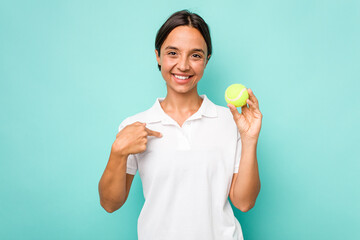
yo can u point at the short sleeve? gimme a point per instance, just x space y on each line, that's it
237 153
132 165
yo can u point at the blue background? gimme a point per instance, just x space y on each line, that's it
71 71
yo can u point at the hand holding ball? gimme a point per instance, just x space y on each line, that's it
236 94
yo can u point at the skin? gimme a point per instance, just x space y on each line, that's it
114 185
177 56
245 186
183 100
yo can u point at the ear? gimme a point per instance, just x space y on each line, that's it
207 60
157 56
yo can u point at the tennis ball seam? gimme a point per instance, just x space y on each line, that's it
238 97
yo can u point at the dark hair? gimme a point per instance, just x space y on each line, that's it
183 18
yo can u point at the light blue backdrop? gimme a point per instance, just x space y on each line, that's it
71 71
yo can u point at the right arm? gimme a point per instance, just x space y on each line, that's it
115 183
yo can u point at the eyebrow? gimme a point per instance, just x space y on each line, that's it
194 49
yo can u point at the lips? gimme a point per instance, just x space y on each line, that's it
181 81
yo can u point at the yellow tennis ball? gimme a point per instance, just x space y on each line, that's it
236 94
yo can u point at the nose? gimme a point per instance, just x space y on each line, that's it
183 64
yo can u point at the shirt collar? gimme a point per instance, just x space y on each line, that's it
157 114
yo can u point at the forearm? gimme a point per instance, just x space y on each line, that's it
112 185
247 185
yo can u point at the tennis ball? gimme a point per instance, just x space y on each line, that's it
236 94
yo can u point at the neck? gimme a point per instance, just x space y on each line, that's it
182 103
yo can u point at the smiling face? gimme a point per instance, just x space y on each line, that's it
183 59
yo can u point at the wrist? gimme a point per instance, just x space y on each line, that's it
117 159
249 142
118 152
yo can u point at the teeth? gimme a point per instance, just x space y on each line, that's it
180 77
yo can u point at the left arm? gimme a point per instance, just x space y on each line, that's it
245 185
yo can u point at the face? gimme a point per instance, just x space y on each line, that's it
183 59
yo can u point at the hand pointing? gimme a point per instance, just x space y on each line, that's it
132 139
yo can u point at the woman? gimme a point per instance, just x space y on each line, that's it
187 149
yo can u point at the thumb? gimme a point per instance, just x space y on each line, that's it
234 111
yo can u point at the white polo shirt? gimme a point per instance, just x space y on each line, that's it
186 174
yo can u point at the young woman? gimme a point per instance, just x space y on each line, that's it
190 153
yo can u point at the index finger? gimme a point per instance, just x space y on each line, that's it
252 97
153 133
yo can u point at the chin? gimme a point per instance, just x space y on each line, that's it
181 89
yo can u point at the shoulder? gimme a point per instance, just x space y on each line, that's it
143 116
226 119
224 112
226 116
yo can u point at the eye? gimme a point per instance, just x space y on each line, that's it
196 55
171 53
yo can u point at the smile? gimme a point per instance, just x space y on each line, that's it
182 77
